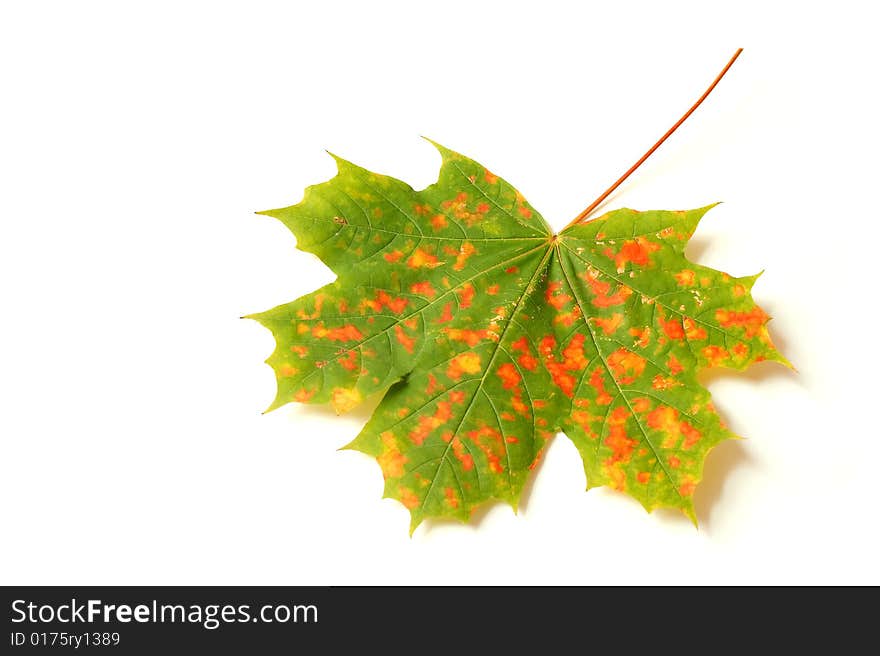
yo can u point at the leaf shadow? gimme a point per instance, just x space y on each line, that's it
759 372
534 474
362 413
479 514
720 464
730 455
696 248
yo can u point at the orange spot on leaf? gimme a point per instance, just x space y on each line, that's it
287 370
672 328
303 395
456 396
554 298
573 360
626 365
446 315
600 289
714 355
526 360
636 252
509 376
405 340
461 454
408 498
466 295
661 382
467 249
350 361
685 278
621 445
420 259
383 300
692 330
597 382
750 321
345 333
691 435
470 337
426 424
642 335
489 442
391 460
423 288
459 209
665 420
451 499
610 325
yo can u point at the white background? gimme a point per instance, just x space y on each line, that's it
137 140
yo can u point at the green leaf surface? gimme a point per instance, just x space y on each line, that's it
489 334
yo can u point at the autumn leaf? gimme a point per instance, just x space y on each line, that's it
489 334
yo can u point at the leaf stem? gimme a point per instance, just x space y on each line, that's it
592 206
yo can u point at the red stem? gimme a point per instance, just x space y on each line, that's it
592 206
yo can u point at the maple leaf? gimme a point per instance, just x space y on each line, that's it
489 334
493 334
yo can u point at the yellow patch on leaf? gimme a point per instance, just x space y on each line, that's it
343 399
465 363
287 370
391 460
422 259
467 249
